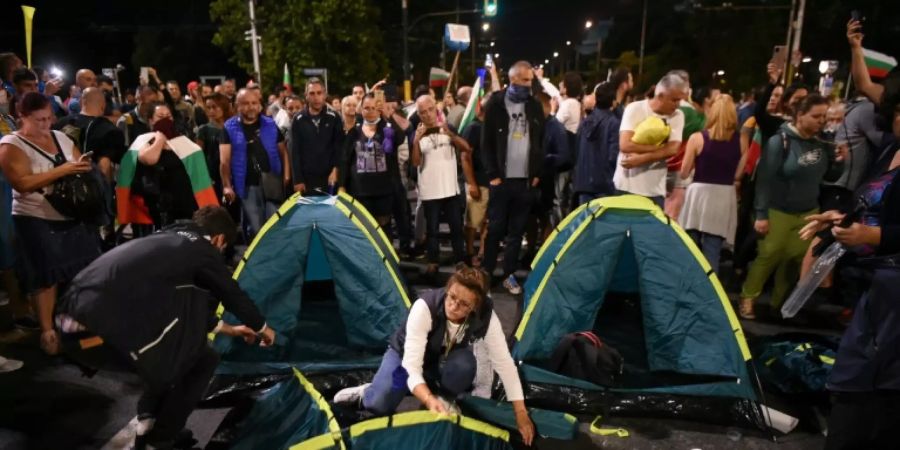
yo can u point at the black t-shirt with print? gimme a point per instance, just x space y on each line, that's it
257 158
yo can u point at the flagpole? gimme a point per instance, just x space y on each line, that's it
452 73
847 91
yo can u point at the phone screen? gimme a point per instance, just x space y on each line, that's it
779 55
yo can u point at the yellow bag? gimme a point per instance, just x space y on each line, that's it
652 131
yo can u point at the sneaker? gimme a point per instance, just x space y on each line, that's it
9 365
512 285
351 395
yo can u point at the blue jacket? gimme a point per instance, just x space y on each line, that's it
596 150
557 155
268 132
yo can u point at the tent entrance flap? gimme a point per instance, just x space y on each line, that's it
620 324
317 267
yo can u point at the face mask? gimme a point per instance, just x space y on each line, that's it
518 94
373 122
165 126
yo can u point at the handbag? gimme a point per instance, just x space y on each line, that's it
78 195
271 184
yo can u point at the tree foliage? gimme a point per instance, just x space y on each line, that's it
340 35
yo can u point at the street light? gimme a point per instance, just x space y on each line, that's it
556 54
546 61
720 73
492 43
496 55
568 43
485 26
588 25
807 59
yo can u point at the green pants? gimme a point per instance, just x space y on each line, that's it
781 251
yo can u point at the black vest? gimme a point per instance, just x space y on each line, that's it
476 327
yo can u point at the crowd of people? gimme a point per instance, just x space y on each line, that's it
767 178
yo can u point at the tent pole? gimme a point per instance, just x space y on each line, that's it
764 413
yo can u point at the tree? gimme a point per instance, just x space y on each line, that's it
340 35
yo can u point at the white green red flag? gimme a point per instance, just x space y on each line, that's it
438 77
879 64
286 80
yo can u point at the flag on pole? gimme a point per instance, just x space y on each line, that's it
878 64
438 77
474 102
286 80
28 12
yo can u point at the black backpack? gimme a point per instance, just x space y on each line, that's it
584 356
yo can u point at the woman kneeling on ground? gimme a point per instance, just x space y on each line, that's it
432 352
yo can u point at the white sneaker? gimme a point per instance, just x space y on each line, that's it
351 395
9 365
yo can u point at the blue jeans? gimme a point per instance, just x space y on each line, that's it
257 210
453 214
710 245
389 385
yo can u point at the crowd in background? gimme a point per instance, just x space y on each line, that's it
743 174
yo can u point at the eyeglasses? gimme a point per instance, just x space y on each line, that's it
457 303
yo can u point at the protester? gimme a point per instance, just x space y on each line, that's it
252 149
185 109
641 166
453 110
597 148
398 165
171 280
93 133
217 109
316 137
435 152
358 91
431 357
694 110
348 112
557 159
363 170
476 208
135 122
793 165
709 214
512 142
52 247
84 79
9 62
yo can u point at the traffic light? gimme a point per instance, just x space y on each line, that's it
490 8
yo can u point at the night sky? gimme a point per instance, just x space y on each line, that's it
102 33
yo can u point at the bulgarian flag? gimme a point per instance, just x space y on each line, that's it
286 80
438 77
132 208
474 102
878 64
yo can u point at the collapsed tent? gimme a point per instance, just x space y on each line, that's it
415 430
326 278
619 267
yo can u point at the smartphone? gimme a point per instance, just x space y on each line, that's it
145 73
86 156
379 96
857 16
432 130
779 56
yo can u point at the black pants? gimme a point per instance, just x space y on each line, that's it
864 420
402 215
171 405
509 204
452 210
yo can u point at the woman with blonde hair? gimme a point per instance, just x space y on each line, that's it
714 155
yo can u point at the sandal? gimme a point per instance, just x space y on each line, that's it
50 342
745 309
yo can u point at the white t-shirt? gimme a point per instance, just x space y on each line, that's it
648 180
437 174
33 204
569 114
419 324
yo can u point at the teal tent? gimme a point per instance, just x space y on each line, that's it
415 430
620 267
326 278
290 412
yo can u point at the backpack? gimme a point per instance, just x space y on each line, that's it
584 356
